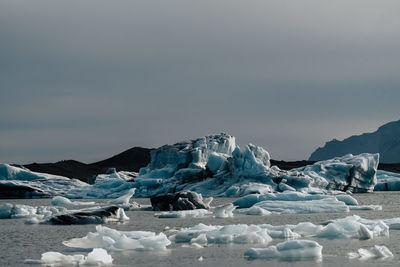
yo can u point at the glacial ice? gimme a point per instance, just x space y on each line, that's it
212 165
26 184
292 250
239 234
111 239
93 215
387 181
374 252
224 211
97 257
297 202
198 213
349 227
17 211
63 201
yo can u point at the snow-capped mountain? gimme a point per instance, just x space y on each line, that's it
385 141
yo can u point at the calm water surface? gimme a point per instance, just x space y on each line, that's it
19 241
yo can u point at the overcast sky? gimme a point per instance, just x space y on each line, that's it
89 79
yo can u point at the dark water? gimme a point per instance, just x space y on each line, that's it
19 241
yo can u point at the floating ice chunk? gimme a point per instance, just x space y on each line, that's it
350 227
347 199
239 233
364 233
224 211
199 213
200 239
366 207
63 201
123 200
374 252
6 210
93 215
253 211
292 250
111 239
97 257
25 211
327 205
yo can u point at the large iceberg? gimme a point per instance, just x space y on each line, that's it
213 166
216 166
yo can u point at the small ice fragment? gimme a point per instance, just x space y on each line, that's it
123 200
224 211
289 250
200 259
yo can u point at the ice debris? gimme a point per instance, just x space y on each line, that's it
374 252
224 211
17 211
97 257
198 213
292 250
63 201
93 215
111 239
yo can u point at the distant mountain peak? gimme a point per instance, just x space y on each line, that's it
385 141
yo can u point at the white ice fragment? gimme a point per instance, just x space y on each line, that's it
224 211
198 213
347 199
123 200
98 256
200 239
253 211
364 233
200 258
374 252
111 239
292 250
63 201
5 210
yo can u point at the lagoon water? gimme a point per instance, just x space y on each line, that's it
19 241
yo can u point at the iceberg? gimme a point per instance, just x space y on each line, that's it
114 240
292 250
215 166
387 181
16 182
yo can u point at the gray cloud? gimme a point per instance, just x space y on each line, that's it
88 79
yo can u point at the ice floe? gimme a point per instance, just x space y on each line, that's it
63 201
97 257
185 200
93 215
224 211
374 252
198 213
292 250
17 211
111 239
